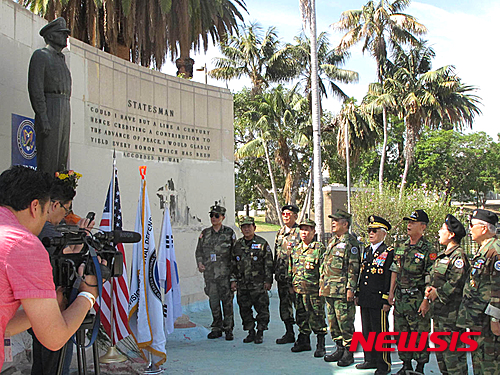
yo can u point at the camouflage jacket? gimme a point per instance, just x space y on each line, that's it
481 297
252 263
283 246
215 250
448 275
340 267
304 267
413 264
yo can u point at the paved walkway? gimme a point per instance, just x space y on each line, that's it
190 352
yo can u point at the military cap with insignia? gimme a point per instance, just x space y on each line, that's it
308 222
218 209
247 220
376 222
59 24
341 214
290 207
455 226
418 215
485 215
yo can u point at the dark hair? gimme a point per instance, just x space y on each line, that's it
20 185
61 191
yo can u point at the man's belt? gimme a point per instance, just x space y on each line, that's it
408 290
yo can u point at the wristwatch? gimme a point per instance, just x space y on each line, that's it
494 320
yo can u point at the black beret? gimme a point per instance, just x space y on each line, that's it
378 222
59 24
290 207
418 215
455 226
485 215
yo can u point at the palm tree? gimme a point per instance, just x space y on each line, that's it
379 26
252 54
432 98
146 31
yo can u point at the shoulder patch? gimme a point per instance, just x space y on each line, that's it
432 256
459 263
354 250
497 265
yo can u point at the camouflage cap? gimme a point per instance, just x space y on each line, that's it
218 209
485 215
376 222
247 220
418 215
308 222
341 214
59 24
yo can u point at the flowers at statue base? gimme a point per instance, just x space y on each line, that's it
69 176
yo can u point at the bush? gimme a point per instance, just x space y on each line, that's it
366 201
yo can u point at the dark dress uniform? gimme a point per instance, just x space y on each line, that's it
373 294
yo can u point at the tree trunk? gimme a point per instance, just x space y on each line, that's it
273 183
348 166
384 148
318 177
307 201
411 139
184 63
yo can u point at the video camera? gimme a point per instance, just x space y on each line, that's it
65 266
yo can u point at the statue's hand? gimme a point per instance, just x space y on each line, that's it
46 128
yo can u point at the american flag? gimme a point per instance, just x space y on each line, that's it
120 284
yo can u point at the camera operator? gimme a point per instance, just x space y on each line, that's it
25 270
45 361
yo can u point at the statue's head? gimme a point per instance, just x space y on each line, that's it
55 33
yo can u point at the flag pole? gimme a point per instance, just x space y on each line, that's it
112 355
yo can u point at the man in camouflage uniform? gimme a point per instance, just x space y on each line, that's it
304 274
213 257
448 276
338 283
480 307
373 292
253 276
286 239
410 276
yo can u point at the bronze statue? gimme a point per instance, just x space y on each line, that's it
49 87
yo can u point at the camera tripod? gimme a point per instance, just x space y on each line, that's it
88 323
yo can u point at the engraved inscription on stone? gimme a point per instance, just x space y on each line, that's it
149 132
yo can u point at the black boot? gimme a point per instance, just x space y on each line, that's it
407 366
214 335
288 337
250 337
420 367
320 346
302 344
347 358
335 356
259 337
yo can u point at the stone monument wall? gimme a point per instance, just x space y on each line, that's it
181 130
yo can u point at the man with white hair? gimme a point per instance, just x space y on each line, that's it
480 308
373 291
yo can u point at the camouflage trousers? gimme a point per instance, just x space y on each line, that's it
287 300
450 362
486 358
219 291
259 299
310 313
407 319
341 316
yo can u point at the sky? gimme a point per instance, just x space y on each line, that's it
461 33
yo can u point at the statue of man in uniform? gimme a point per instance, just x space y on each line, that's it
49 87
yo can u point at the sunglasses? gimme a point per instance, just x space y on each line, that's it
212 214
473 225
286 214
372 230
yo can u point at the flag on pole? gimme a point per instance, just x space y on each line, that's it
145 310
112 220
169 276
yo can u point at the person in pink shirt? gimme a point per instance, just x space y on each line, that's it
25 270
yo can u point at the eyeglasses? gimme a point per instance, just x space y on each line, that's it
473 225
67 211
212 214
372 230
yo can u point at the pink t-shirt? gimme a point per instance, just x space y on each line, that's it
25 270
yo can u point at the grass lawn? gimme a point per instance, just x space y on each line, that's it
262 226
